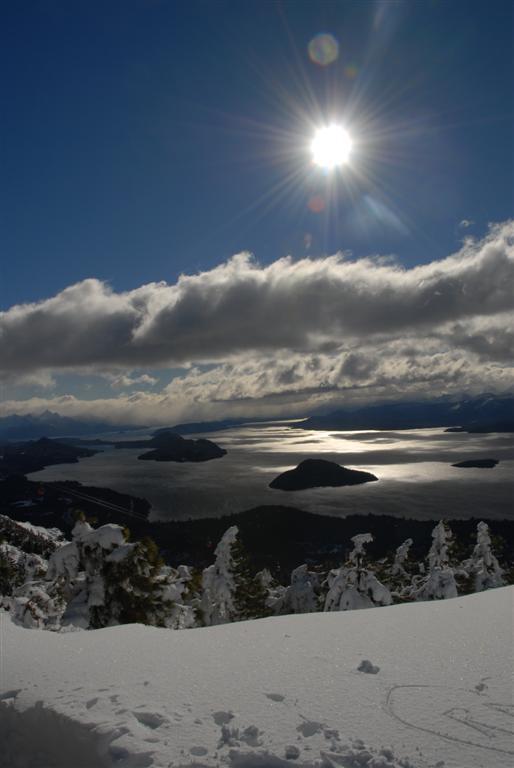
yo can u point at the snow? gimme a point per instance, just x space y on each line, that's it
50 534
483 565
218 583
353 587
269 693
300 596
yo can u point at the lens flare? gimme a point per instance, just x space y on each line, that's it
351 71
331 146
323 49
316 204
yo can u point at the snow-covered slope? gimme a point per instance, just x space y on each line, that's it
263 694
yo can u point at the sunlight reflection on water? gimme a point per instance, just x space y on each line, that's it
413 467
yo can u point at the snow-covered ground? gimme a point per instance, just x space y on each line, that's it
263 694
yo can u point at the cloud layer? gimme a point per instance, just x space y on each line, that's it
276 339
241 307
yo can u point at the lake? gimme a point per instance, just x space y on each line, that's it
416 478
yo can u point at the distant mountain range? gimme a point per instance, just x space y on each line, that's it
487 413
49 424
193 427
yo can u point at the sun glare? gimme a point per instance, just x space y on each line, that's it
331 146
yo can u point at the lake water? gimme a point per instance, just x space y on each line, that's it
416 478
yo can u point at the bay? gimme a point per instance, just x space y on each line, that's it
416 478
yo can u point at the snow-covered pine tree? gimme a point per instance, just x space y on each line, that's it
36 605
24 591
399 574
135 587
272 588
400 558
483 567
29 538
217 605
230 591
439 553
301 596
10 576
179 591
106 580
438 583
353 586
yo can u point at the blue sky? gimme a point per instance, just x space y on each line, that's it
142 139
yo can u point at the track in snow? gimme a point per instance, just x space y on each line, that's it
474 720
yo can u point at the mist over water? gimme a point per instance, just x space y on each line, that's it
414 469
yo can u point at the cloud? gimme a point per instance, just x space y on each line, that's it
466 223
241 307
32 379
128 380
295 384
274 340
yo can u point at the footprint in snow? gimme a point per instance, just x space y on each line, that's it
275 696
331 734
198 751
150 719
309 728
91 702
251 736
222 717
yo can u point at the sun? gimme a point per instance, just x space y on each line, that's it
331 146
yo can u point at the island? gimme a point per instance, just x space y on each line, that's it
319 473
485 429
480 463
168 446
34 455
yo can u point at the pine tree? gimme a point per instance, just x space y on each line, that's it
218 586
230 591
250 594
9 576
301 596
399 573
483 567
354 586
107 580
135 586
438 583
400 558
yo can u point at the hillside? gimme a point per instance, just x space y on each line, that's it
480 414
31 456
33 426
268 693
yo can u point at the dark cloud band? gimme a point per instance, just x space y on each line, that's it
241 307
